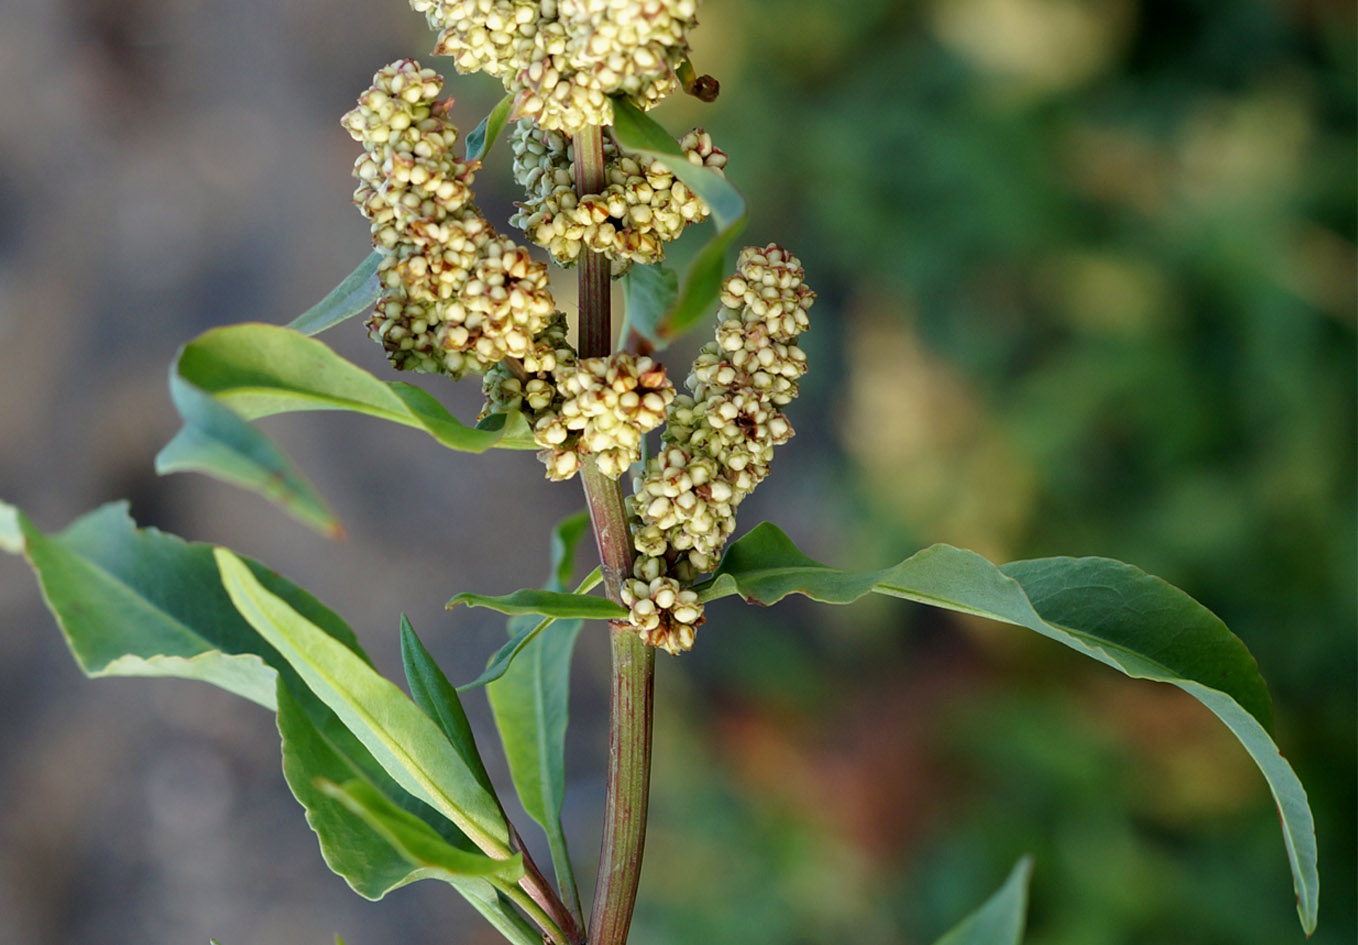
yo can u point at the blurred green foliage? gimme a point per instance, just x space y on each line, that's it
1090 270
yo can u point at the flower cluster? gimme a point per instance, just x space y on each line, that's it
607 405
564 58
718 443
456 296
641 208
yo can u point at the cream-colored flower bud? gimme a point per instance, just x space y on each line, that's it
641 208
456 296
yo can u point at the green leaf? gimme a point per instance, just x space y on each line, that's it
559 604
531 706
522 632
356 294
483 137
638 134
217 442
406 742
999 921
565 538
531 703
432 692
513 429
146 603
564 541
351 846
230 375
413 839
702 284
1107 610
649 293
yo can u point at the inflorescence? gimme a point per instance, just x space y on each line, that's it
641 208
457 298
717 443
562 59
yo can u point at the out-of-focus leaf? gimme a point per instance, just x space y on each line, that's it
230 375
702 284
638 134
432 692
1107 610
142 602
407 743
483 137
649 293
1000 919
215 441
531 703
413 839
356 294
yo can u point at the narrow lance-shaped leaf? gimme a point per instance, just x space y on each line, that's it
649 293
351 846
432 692
1107 610
230 375
215 441
413 839
638 134
561 605
1000 919
522 633
531 703
405 741
483 137
355 295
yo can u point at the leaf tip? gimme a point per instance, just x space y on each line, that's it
11 532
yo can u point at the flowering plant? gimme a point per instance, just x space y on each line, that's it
393 784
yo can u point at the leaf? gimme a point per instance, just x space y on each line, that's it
351 846
409 746
1000 919
562 544
217 442
143 602
356 294
522 633
1107 610
565 538
638 134
649 293
432 692
483 137
702 284
559 604
230 375
531 703
413 839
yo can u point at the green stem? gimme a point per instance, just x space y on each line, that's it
534 910
633 662
564 916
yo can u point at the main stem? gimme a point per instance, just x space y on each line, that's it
631 692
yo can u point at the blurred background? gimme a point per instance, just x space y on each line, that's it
1087 286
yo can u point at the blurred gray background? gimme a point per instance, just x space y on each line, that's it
1086 275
